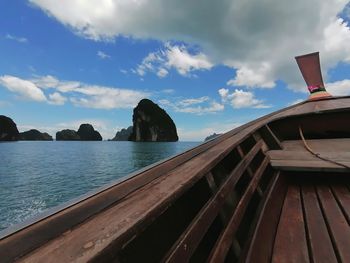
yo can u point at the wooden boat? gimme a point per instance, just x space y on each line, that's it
259 193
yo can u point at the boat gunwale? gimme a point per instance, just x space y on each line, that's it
77 200
89 197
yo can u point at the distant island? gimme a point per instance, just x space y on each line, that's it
150 124
123 134
86 132
213 136
34 135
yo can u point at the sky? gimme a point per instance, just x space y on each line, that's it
212 65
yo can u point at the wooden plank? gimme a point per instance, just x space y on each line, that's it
213 187
311 166
260 249
270 138
189 240
319 145
249 170
290 243
304 155
224 242
338 226
318 236
342 195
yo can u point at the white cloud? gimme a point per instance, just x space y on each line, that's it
57 99
252 78
339 88
45 82
198 106
168 91
15 38
24 88
241 99
78 93
179 58
162 72
173 57
257 38
188 102
102 55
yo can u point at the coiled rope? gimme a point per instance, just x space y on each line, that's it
308 148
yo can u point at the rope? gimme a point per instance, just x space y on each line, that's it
308 148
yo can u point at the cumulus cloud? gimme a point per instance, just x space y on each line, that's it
257 38
15 38
57 99
241 99
339 88
24 88
173 57
103 55
198 106
78 93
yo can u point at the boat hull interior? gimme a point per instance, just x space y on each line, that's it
254 194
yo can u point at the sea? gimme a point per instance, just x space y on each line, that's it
38 175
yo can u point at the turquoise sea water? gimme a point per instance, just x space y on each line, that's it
35 176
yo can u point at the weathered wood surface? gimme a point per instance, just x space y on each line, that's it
290 243
338 226
295 157
261 245
188 242
322 145
225 240
321 248
110 218
313 226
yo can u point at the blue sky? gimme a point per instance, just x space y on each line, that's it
212 65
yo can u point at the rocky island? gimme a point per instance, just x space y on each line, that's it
8 129
152 124
86 132
34 135
123 134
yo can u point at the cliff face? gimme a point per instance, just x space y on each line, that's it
152 124
87 132
67 135
34 135
8 129
123 134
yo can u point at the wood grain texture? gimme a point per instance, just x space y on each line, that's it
224 242
320 242
290 243
338 225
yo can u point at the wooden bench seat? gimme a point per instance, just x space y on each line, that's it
295 157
